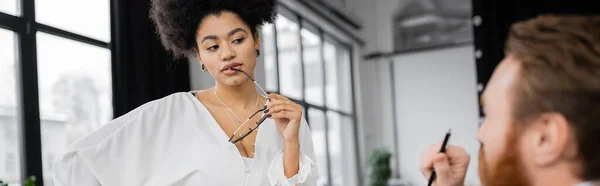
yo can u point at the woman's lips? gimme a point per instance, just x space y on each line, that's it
230 69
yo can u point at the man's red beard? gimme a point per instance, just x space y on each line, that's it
509 169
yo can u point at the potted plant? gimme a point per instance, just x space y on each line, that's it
29 182
380 171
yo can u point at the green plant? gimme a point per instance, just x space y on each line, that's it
380 171
29 182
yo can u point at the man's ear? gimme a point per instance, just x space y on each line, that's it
550 139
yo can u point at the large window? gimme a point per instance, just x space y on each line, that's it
55 66
92 17
74 91
9 108
288 51
311 54
314 69
10 7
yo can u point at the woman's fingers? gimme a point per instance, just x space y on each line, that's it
280 102
282 107
277 96
285 115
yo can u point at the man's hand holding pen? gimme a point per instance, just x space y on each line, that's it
450 167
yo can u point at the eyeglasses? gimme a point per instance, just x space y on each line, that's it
262 119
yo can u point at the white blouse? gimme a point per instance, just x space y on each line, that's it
176 141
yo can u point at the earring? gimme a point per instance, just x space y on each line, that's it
257 52
203 67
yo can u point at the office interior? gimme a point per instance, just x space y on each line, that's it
372 75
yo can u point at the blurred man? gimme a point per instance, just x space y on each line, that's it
542 108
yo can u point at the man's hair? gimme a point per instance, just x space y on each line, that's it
560 73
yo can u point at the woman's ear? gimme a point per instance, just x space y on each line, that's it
197 53
256 40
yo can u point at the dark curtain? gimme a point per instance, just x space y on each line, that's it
497 17
142 70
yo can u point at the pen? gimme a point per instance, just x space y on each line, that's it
442 150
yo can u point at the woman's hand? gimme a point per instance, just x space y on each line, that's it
287 116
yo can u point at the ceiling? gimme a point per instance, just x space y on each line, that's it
432 22
443 8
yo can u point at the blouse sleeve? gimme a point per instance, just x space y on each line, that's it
307 173
70 170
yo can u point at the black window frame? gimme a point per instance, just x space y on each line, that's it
296 16
25 27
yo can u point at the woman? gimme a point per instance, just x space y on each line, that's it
207 137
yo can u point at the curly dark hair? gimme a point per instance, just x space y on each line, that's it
177 21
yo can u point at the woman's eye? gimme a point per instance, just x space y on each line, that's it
213 48
236 41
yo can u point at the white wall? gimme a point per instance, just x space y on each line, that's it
435 91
